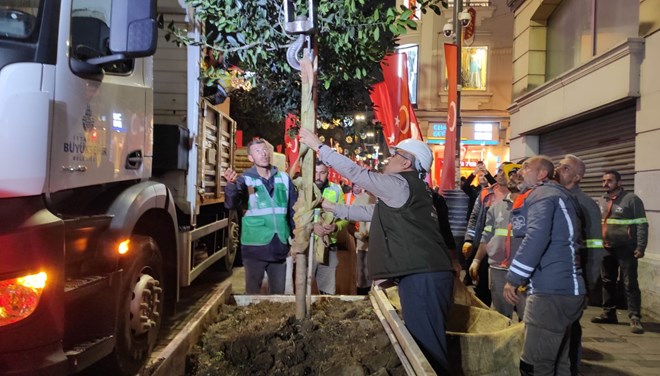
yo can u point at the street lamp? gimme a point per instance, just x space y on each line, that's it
454 29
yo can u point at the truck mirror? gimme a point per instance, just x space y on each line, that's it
133 28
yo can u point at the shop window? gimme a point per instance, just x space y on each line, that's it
580 30
412 55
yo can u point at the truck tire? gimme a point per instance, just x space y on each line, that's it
140 306
232 240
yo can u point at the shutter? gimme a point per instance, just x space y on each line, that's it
606 142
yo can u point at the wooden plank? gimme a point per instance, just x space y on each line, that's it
412 351
393 340
171 359
243 300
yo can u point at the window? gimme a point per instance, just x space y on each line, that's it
474 66
413 4
579 30
90 34
411 54
483 131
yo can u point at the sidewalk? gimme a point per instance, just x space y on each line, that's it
610 350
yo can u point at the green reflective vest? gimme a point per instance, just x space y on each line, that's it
334 194
266 215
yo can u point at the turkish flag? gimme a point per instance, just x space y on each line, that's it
398 119
448 176
292 144
383 112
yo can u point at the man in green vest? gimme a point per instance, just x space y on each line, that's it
268 222
405 243
325 273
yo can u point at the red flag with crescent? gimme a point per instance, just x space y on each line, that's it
448 175
291 144
398 119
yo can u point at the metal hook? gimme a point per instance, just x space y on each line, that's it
292 53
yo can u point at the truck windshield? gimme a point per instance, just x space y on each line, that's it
18 18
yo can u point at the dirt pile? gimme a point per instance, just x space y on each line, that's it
341 338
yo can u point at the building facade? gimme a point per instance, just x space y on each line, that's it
584 82
486 70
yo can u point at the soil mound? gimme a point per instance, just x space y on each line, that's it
341 338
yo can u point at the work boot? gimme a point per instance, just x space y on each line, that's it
605 318
636 326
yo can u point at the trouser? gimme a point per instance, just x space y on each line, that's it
497 280
548 321
482 288
425 300
363 280
575 347
325 274
621 258
254 276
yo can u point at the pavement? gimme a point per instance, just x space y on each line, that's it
611 349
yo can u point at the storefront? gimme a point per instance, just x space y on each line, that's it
480 141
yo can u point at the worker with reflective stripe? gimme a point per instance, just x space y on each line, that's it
569 173
546 217
497 242
488 196
625 236
268 222
325 273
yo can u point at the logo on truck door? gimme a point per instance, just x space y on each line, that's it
88 146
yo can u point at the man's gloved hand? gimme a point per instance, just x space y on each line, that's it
638 254
474 269
467 249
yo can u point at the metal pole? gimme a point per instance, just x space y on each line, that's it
458 7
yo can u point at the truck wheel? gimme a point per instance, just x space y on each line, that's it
232 240
140 306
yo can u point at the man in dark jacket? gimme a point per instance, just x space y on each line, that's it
405 241
268 222
570 172
546 265
625 236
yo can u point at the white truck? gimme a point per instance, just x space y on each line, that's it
111 194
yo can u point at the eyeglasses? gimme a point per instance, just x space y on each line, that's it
396 152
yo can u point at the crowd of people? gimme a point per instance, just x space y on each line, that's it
535 244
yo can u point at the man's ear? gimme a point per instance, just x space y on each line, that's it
250 158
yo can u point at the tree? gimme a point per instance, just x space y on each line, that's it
353 36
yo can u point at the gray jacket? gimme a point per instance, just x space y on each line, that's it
546 217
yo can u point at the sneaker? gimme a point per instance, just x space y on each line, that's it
636 326
605 318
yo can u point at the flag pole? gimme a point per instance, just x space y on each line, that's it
458 7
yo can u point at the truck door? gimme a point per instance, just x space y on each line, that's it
102 115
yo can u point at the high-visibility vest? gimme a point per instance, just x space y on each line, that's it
266 215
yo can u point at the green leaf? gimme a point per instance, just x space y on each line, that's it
393 29
411 24
377 33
